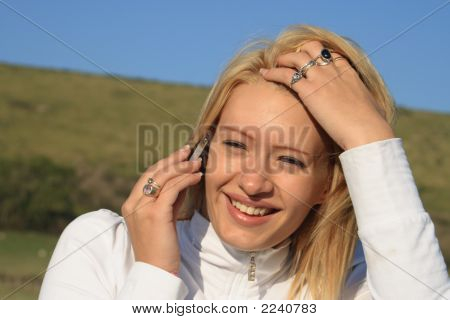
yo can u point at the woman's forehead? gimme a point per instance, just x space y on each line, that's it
263 109
262 103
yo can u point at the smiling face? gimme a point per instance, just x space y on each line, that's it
256 157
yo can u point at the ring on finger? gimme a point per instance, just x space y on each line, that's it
327 63
297 76
304 69
151 188
325 56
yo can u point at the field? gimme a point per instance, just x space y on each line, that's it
90 124
25 256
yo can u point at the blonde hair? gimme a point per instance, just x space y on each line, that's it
322 248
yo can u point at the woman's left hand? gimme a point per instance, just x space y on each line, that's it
335 95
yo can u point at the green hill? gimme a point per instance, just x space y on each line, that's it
83 128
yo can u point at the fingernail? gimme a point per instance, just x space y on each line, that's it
263 71
199 173
186 147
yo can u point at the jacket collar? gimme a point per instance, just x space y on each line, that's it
212 262
269 263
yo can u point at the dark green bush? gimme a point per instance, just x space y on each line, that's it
36 194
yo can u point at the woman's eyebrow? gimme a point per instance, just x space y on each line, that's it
236 129
292 149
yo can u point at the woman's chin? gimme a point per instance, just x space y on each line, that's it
243 240
243 246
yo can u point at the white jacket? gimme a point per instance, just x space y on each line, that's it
94 259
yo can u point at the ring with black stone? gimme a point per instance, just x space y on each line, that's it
325 56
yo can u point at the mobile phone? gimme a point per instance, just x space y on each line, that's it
201 150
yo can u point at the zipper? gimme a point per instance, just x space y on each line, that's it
252 267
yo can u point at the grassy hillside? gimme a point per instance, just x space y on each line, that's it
88 123
25 256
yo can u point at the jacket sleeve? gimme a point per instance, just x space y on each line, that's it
403 257
143 276
87 258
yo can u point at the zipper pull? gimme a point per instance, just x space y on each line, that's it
252 267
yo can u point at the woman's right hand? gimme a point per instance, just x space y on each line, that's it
151 222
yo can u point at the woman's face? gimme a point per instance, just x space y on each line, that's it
256 157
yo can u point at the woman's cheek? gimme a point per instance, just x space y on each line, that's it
228 163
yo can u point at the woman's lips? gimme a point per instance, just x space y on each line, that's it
246 219
251 203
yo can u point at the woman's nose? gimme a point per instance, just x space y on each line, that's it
255 183
253 178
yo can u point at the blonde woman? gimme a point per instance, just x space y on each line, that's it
307 194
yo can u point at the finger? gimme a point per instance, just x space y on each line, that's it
284 75
177 156
162 176
169 195
166 198
341 64
166 174
295 60
300 61
313 48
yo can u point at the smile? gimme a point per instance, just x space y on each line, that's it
251 210
256 215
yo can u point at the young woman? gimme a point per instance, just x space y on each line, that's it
307 193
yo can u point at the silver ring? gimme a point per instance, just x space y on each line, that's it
328 62
297 76
304 69
324 63
325 56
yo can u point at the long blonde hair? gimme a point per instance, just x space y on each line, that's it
322 248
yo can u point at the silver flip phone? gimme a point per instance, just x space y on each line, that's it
201 150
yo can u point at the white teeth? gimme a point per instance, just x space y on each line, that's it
250 210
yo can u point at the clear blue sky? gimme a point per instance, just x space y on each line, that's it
190 41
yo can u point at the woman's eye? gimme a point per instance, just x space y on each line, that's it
234 144
289 160
294 161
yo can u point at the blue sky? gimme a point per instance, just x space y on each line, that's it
191 41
